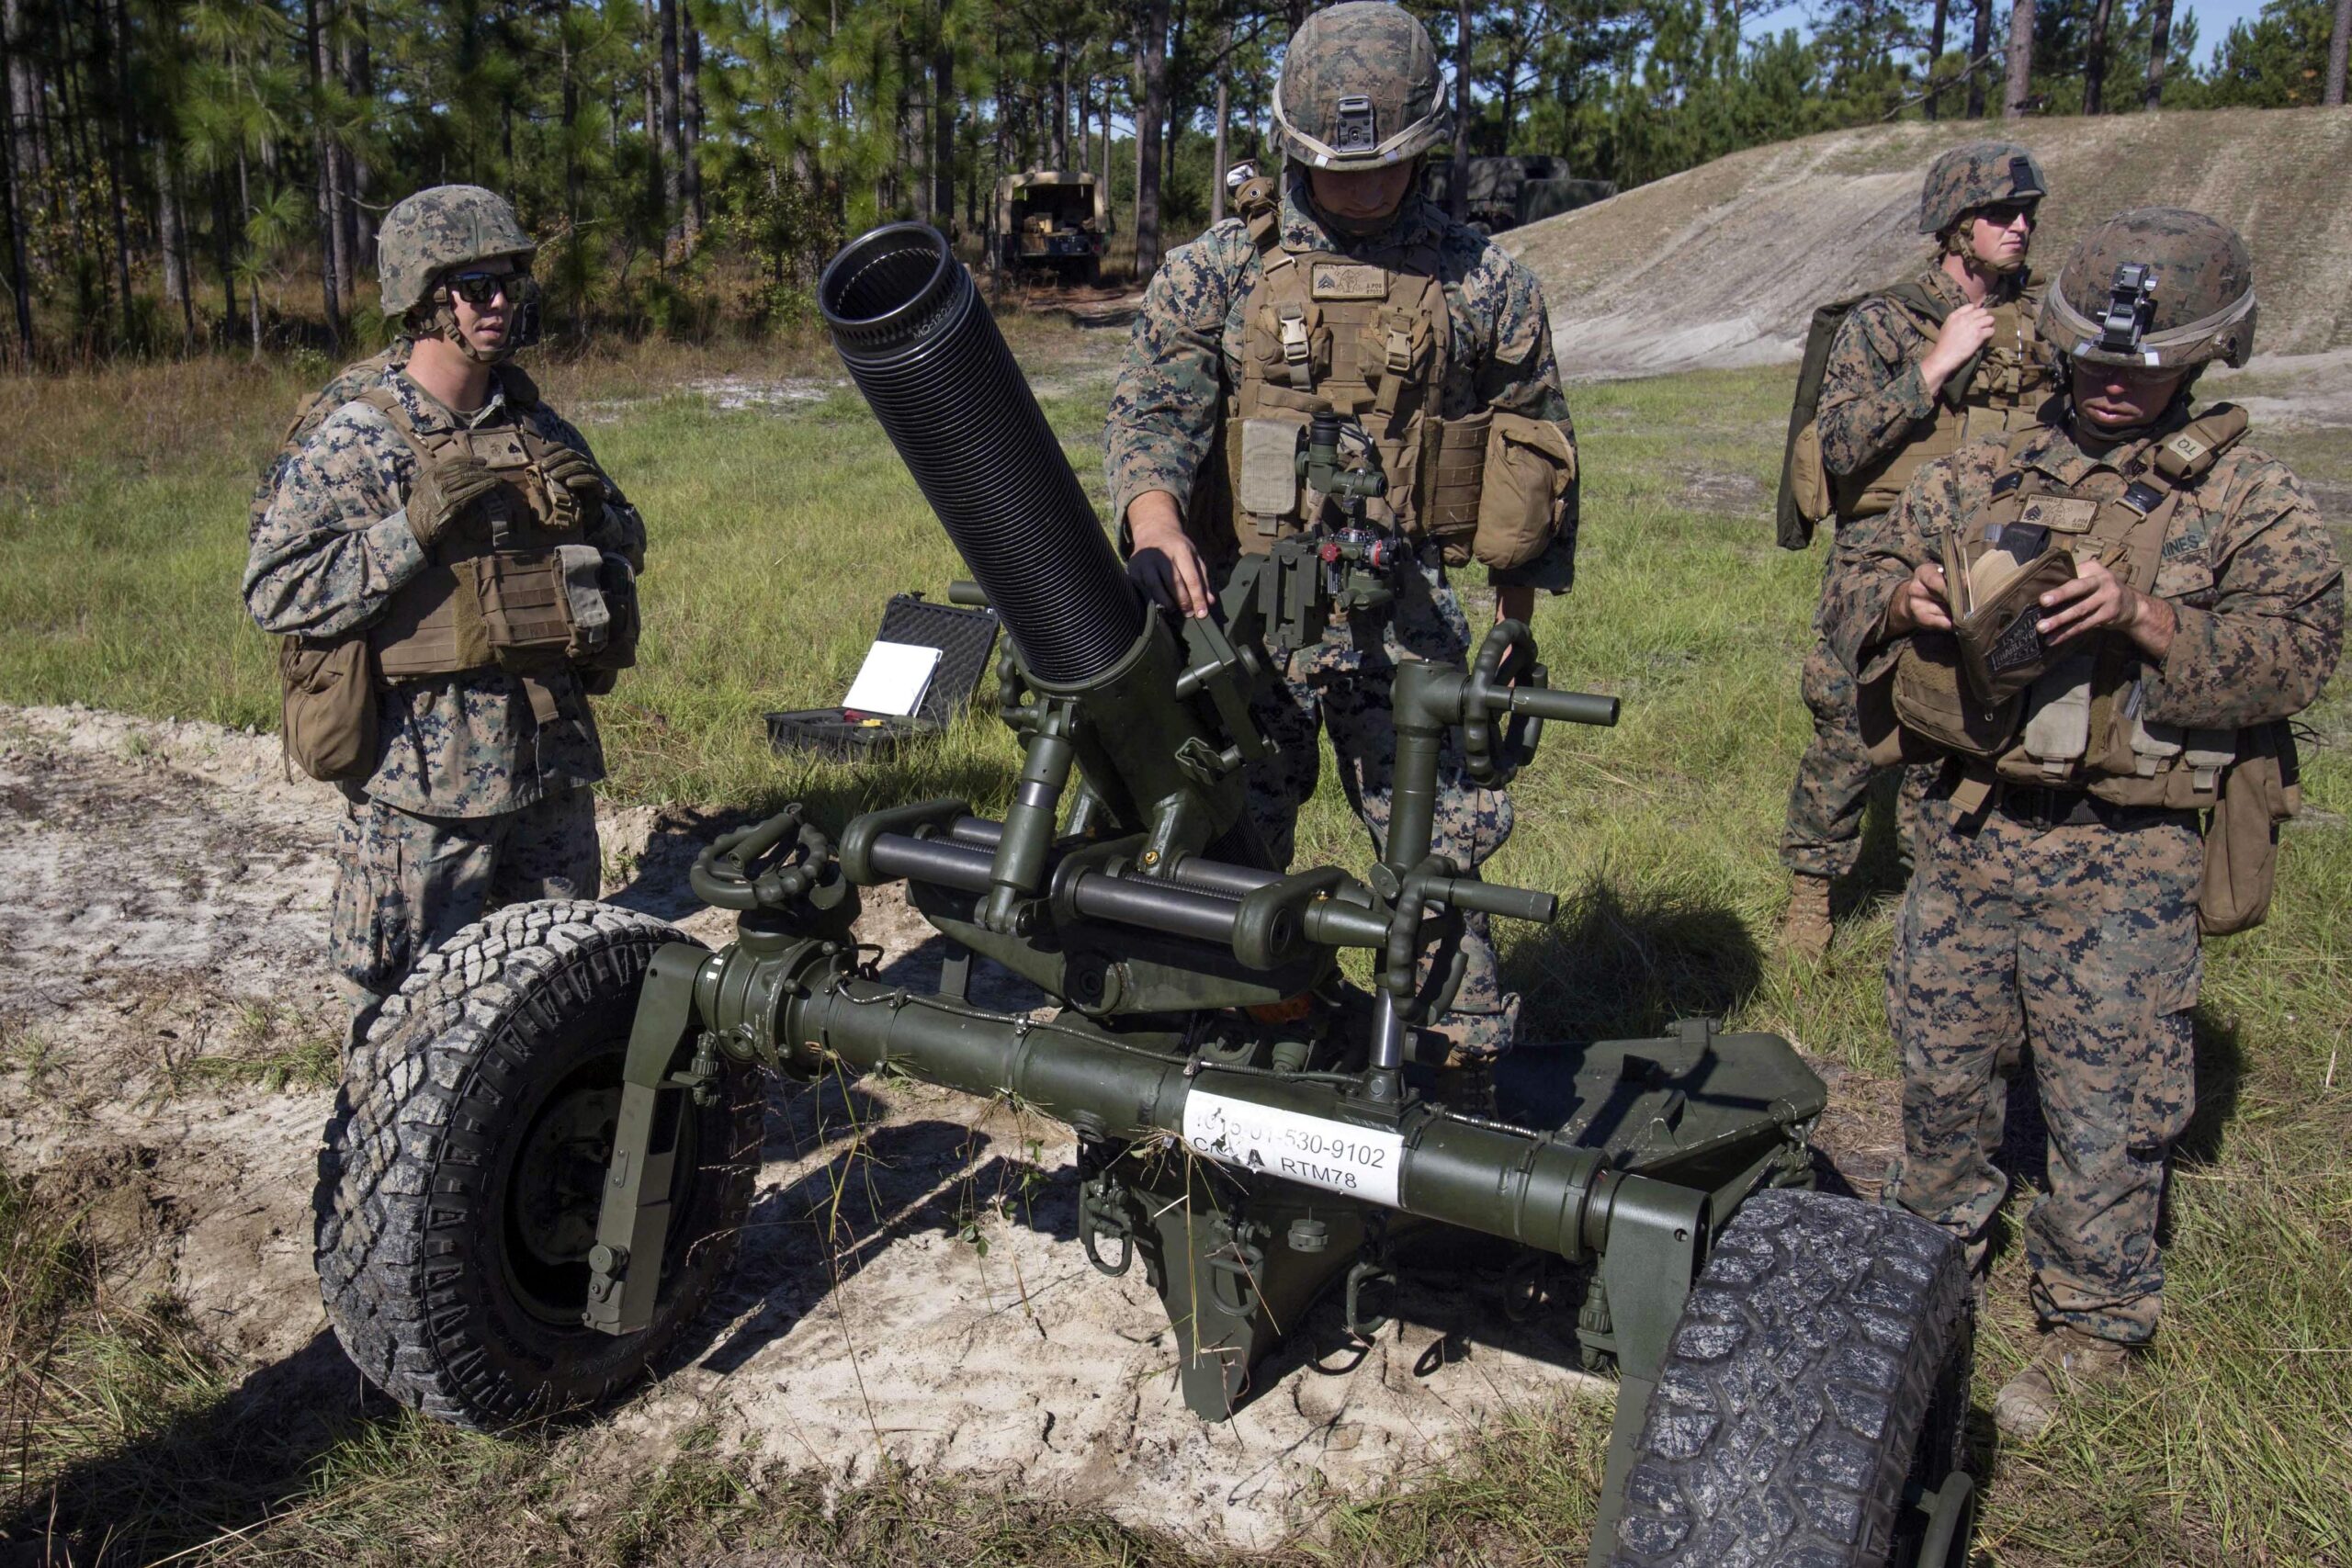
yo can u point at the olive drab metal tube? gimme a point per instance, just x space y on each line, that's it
918 339
1529 1187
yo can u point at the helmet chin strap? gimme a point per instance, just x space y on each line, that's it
1956 244
2087 428
443 324
1363 227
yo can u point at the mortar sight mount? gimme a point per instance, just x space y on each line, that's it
532 1220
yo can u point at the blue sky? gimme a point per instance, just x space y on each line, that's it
2215 20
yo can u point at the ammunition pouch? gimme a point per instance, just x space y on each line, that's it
327 715
1808 478
1922 706
2262 790
1529 466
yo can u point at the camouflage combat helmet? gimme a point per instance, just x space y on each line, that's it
440 229
2159 287
1359 89
1973 174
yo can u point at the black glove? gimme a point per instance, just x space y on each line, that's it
441 493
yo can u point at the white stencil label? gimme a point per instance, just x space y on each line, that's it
1339 1157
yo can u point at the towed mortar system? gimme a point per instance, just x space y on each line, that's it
1255 1130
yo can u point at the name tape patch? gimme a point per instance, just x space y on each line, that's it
1359 1162
1340 281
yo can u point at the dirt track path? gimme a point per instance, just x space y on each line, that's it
161 939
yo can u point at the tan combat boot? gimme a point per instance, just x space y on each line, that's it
2068 1359
1805 929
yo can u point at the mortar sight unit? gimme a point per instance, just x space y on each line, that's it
544 1148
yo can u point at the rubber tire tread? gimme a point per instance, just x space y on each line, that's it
1796 1390
424 1059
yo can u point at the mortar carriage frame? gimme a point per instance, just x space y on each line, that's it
547 1140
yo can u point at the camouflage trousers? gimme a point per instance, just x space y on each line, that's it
2082 939
1341 685
405 884
1823 836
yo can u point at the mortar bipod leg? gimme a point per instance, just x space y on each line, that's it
1657 1239
625 1266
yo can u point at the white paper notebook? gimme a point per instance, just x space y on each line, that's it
893 678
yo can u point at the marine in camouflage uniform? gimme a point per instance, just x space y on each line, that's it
1877 421
1176 389
2068 912
478 792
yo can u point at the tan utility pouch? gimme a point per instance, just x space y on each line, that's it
1930 696
1266 479
1529 466
1457 472
328 720
2260 792
541 605
1809 478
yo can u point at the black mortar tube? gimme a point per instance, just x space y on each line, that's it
916 336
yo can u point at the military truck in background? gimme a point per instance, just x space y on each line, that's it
1053 221
1506 192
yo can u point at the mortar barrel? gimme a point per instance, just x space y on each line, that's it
919 342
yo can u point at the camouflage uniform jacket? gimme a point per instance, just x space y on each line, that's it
335 547
2247 567
350 382
1872 399
1183 363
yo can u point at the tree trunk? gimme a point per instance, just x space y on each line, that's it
118 154
2021 82
690 127
24 91
1934 56
1223 115
1061 110
315 56
1457 189
2095 60
568 86
943 130
19 278
2159 50
223 257
1151 114
171 233
672 146
656 129
1980 44
252 286
360 80
2339 45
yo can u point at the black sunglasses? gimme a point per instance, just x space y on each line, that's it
2009 212
479 288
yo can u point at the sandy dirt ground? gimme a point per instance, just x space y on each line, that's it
909 1284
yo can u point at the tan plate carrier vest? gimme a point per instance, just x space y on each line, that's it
2003 394
1371 338
2079 724
514 584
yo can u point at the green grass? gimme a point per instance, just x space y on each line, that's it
776 537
